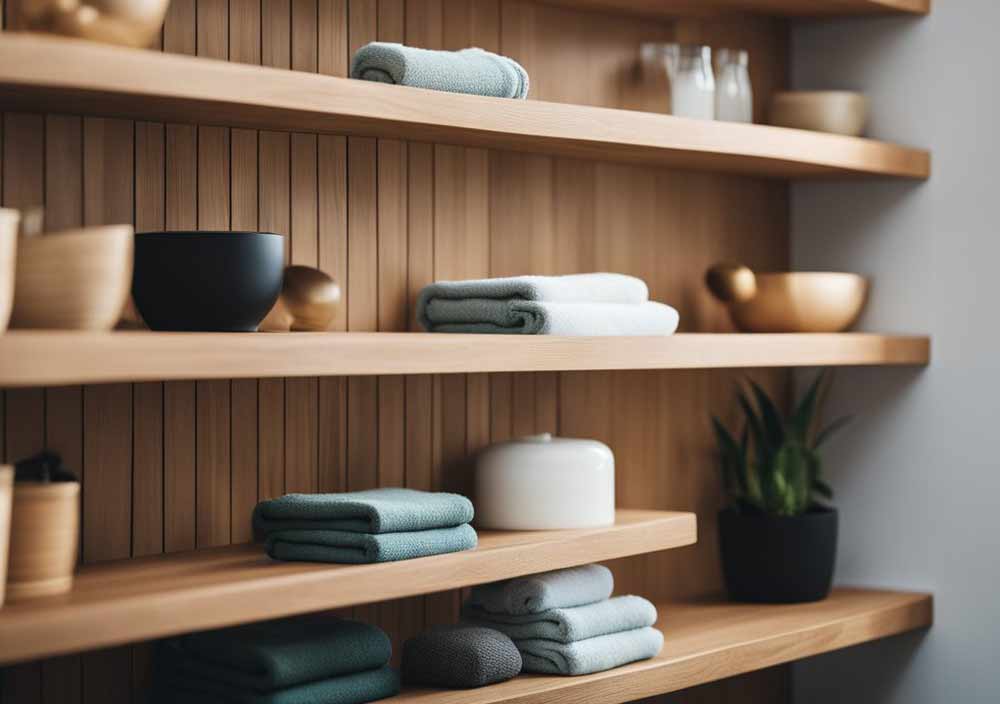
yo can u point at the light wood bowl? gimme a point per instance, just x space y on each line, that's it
128 22
802 302
8 257
6 504
44 534
73 280
837 111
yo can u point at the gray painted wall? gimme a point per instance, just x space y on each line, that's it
918 475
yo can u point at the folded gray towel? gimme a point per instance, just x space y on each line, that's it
620 613
468 71
362 548
599 287
460 656
591 655
573 586
388 510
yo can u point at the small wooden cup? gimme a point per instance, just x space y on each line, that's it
6 498
44 534
8 257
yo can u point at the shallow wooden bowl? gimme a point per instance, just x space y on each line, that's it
8 257
127 22
73 280
837 111
802 302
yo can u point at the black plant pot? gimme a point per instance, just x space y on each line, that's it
778 559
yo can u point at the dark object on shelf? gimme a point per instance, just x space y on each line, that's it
778 559
460 657
45 467
207 281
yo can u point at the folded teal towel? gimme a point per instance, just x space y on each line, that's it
574 586
621 613
389 510
591 655
468 71
356 688
276 654
362 548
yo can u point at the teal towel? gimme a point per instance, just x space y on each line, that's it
363 548
621 613
468 71
276 654
389 510
347 689
574 586
591 655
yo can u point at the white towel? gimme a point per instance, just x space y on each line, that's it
540 318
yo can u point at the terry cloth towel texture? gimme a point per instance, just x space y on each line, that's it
574 586
460 657
277 654
361 548
566 625
389 510
468 71
600 287
596 654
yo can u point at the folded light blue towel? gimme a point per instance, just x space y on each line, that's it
468 71
362 548
388 510
620 613
583 657
573 586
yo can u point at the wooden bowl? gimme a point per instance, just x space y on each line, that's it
128 22
802 302
44 534
837 111
8 257
73 280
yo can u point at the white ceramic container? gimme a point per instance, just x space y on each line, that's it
545 483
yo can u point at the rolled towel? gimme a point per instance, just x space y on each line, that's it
620 613
478 315
573 586
388 510
362 548
277 654
468 71
356 688
596 654
460 656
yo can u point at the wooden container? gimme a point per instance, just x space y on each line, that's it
73 280
8 257
6 498
44 534
128 22
835 111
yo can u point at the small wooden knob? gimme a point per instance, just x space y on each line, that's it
310 297
732 283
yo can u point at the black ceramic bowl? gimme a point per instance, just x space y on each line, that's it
207 281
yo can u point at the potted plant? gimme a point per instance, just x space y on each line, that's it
778 541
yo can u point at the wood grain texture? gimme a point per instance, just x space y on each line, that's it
53 74
159 596
789 8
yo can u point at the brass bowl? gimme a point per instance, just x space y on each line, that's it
128 22
795 302
835 111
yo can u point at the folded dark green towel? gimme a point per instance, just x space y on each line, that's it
356 688
276 654
362 548
389 510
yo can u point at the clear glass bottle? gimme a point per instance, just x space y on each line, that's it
692 80
733 92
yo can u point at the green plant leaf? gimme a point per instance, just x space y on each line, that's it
803 415
763 450
732 458
822 488
824 435
771 419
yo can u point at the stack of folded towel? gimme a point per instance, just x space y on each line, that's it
380 525
319 660
468 71
565 623
578 304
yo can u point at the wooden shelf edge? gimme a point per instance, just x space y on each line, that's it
60 75
776 8
133 600
709 642
51 358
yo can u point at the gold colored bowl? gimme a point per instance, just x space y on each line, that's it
813 301
128 22
835 111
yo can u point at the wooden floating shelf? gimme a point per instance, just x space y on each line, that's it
132 600
62 75
711 641
786 8
50 358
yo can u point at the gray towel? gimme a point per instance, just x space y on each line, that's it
460 656
591 655
362 548
598 287
468 71
574 586
375 511
621 613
